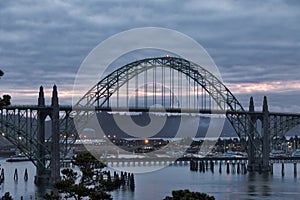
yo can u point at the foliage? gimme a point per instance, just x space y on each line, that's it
187 195
5 101
51 196
6 196
93 183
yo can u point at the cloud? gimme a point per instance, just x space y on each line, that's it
253 42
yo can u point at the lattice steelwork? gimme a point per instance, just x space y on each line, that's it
174 83
280 124
18 124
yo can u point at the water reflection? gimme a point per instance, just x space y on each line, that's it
259 184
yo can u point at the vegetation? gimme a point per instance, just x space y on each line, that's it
187 195
92 183
6 196
5 100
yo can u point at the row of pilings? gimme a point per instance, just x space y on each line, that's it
239 167
283 169
126 179
15 176
205 166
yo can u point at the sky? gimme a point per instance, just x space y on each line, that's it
255 44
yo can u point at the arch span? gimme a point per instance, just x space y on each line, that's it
100 94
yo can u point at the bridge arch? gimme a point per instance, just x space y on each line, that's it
99 95
20 137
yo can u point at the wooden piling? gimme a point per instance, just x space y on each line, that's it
233 168
228 169
26 175
16 175
212 167
271 168
2 176
282 169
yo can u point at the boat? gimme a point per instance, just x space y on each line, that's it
18 157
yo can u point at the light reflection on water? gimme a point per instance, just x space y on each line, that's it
158 184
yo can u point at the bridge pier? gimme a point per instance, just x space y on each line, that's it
256 161
55 157
266 137
251 153
45 175
42 174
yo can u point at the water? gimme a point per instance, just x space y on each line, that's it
19 188
159 184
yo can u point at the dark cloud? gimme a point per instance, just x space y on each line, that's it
44 42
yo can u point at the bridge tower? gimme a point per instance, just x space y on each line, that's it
258 159
265 136
45 175
251 149
42 174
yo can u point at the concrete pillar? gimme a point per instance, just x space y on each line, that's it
55 150
266 137
251 153
42 175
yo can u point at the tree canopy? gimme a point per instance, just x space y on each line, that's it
91 182
187 195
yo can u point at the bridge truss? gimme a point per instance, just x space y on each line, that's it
176 84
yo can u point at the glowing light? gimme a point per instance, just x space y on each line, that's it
146 141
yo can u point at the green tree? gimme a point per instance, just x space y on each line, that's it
5 100
187 195
6 196
93 183
51 196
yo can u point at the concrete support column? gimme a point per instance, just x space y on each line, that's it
266 137
55 150
42 175
251 153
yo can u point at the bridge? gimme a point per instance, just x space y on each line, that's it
176 84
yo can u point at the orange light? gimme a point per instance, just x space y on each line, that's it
146 141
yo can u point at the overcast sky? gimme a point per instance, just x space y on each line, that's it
255 44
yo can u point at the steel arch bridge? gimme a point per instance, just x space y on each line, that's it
175 83
213 95
204 92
